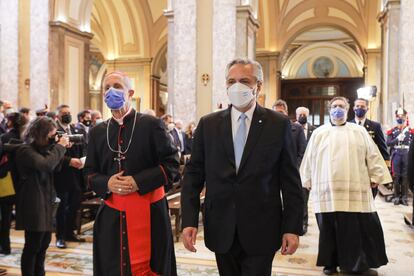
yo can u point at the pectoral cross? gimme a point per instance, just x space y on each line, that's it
119 159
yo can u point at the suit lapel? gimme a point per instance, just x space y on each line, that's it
227 135
254 133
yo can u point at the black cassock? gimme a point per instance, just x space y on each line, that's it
153 162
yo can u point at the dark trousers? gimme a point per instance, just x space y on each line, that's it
237 262
399 165
66 212
34 253
305 207
6 213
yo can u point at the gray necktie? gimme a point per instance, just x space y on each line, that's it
240 140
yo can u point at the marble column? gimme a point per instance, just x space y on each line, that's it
406 61
9 51
390 22
39 51
182 51
234 35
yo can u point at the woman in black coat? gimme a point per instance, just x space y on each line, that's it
15 123
36 161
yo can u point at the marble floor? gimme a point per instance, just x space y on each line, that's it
399 238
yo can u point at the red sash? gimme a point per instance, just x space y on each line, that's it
138 218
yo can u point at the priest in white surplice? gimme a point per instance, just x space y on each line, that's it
340 165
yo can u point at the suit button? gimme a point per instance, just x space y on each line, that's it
123 232
233 206
124 248
124 264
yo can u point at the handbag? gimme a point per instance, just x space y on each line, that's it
6 186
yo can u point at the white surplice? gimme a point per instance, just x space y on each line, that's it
339 164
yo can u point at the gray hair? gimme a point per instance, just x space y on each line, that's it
282 103
301 109
124 77
245 61
345 100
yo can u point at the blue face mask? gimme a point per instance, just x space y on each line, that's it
114 98
360 112
337 114
400 121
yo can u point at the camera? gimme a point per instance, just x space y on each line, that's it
73 138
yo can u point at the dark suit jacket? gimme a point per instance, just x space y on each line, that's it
309 131
69 178
299 142
410 170
375 131
249 202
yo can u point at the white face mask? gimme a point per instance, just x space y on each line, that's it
98 121
170 126
240 95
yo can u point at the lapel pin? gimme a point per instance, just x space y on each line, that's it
260 121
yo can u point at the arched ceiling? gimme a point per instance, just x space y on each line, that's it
283 20
121 28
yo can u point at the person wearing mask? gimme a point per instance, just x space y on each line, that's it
244 158
374 129
302 114
188 137
96 117
340 165
15 123
410 176
399 139
84 123
68 182
299 140
5 109
178 135
36 161
130 164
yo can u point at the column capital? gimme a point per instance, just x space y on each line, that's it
247 12
71 29
169 14
271 55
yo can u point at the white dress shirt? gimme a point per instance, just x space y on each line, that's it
235 122
357 121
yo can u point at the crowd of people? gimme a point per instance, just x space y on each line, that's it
257 167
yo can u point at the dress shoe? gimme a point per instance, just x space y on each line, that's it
74 238
404 201
61 244
327 270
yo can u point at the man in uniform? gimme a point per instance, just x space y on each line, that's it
399 139
130 162
374 130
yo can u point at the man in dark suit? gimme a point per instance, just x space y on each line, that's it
243 157
302 114
299 140
68 182
374 129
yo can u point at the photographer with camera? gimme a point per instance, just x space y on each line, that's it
36 161
69 180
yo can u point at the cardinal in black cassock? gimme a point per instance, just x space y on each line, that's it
130 163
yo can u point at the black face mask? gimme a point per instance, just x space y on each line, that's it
87 122
303 120
66 119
